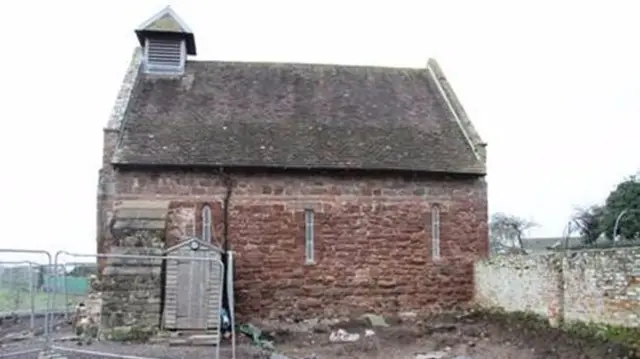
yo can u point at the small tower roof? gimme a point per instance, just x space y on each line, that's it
167 22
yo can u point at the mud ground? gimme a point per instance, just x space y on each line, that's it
472 336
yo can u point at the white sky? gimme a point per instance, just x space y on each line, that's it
551 86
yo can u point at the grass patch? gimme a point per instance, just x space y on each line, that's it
625 336
18 300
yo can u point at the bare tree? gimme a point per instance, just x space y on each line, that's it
509 229
589 223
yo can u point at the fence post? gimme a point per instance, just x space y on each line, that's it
65 288
32 294
231 303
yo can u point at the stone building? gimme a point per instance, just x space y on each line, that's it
340 188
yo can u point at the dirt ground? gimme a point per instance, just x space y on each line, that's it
472 336
469 336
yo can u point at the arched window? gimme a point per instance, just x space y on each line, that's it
206 224
435 232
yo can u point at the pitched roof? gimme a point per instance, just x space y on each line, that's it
167 22
299 116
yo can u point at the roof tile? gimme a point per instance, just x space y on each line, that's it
294 116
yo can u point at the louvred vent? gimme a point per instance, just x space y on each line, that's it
165 54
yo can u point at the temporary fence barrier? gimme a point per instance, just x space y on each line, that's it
69 289
45 296
128 279
18 289
20 297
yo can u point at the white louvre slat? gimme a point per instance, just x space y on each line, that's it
165 54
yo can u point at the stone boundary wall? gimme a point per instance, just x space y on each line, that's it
600 286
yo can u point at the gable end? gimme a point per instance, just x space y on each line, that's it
453 105
129 81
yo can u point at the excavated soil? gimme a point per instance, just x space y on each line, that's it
468 336
473 336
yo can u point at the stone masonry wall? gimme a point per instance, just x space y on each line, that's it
131 288
106 182
372 238
600 286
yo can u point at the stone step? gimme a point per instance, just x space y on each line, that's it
200 341
192 339
174 342
203 339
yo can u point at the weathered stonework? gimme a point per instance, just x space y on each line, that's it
181 223
600 286
373 234
87 318
126 89
372 238
131 288
519 282
106 181
603 286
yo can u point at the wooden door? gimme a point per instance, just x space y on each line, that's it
192 311
193 288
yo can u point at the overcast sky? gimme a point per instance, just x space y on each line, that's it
551 86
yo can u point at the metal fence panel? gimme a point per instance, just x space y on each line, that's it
18 288
42 302
24 303
131 291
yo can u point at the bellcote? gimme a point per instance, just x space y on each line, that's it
166 40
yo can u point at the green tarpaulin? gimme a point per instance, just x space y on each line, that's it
74 285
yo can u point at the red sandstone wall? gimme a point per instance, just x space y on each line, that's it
373 239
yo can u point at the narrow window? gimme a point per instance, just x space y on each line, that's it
435 232
308 236
206 224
